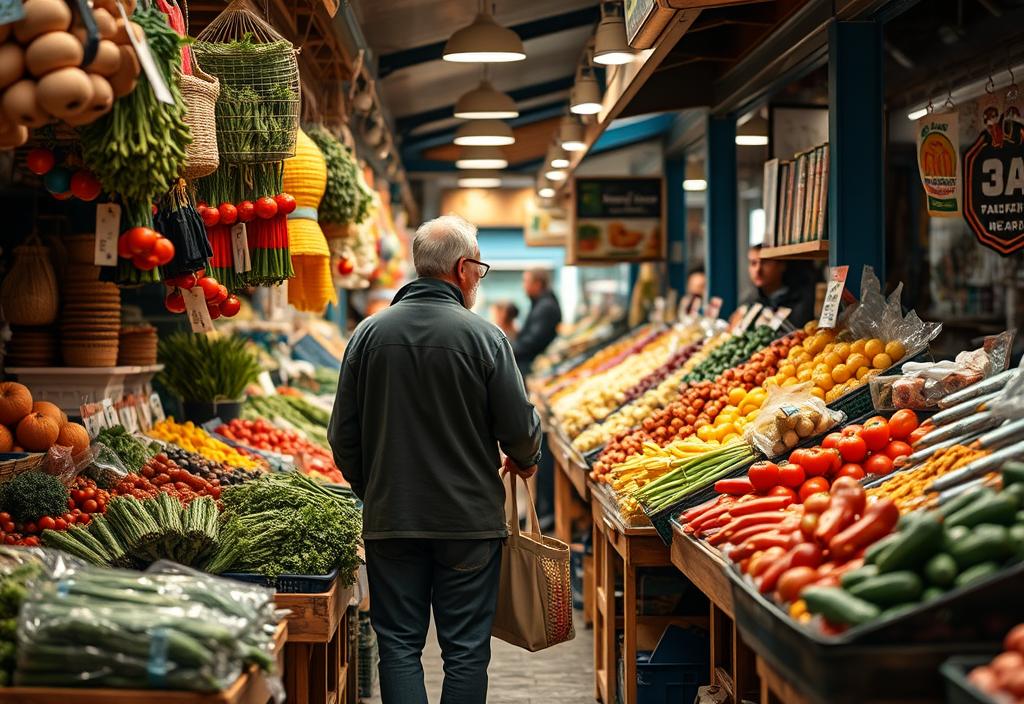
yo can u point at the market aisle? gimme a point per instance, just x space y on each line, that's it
564 673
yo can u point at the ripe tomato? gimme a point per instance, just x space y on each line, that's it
230 306
851 470
775 491
141 239
852 429
832 440
210 286
878 464
146 262
47 523
123 249
817 503
85 186
813 486
763 475
285 203
214 310
163 250
853 449
345 266
898 448
40 161
31 527
836 458
875 434
791 474
210 216
246 211
902 424
9 527
228 213
222 294
60 524
90 506
4 517
266 207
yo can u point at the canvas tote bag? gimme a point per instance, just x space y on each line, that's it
535 597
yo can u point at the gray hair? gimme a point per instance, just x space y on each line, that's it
541 276
439 244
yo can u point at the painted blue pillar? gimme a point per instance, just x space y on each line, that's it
675 172
721 247
634 274
856 115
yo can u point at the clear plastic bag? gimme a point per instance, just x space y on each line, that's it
105 467
789 416
876 316
1010 403
923 385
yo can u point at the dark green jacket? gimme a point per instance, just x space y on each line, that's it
428 391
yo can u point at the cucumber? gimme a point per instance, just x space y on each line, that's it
875 550
984 543
941 570
889 589
899 610
977 573
857 576
917 543
1001 509
1013 473
963 501
1016 536
932 593
839 606
954 535
1016 491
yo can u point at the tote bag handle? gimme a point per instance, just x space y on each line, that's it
512 508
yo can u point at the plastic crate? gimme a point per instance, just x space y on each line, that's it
289 583
673 671
958 689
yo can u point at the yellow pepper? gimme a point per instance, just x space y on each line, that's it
194 439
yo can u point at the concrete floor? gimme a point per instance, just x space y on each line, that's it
564 673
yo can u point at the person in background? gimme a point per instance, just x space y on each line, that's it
429 392
541 324
782 284
696 283
504 314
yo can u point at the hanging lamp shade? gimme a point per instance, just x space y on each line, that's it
586 95
570 135
557 158
485 103
484 133
610 46
484 41
481 158
479 178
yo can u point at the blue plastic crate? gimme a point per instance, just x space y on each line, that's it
289 583
673 672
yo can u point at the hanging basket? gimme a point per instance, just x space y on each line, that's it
200 92
28 294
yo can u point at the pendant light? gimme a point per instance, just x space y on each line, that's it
570 135
753 132
557 158
555 175
484 41
585 98
485 103
479 179
610 46
484 133
694 180
481 158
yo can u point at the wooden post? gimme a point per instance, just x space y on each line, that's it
721 246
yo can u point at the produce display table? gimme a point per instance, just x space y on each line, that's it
319 665
776 689
619 548
251 687
571 490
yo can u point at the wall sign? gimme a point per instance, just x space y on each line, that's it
544 226
938 162
644 21
994 180
617 220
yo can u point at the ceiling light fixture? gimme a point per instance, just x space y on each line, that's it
753 132
610 46
695 184
570 135
479 179
484 133
557 158
546 192
484 41
485 103
555 175
694 178
481 158
586 94
917 114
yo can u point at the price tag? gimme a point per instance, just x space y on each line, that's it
748 318
766 317
196 310
266 383
93 420
278 300
684 306
780 317
714 307
240 248
127 415
109 413
142 413
830 309
108 227
141 46
737 317
157 407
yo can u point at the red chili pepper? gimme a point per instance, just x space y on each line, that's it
767 518
708 517
692 513
764 540
878 521
771 575
764 503
736 487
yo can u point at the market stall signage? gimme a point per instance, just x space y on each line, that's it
714 308
834 294
994 181
938 162
196 309
108 227
749 317
618 220
644 15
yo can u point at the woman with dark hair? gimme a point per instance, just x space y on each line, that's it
782 284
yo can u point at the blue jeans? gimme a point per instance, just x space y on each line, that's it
459 578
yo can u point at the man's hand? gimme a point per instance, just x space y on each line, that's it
511 466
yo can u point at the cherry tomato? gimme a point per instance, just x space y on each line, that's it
40 161
345 266
763 475
47 523
851 470
792 475
175 302
210 216
4 517
228 213
9 527
878 464
124 249
246 211
60 524
285 203
90 506
31 542
852 429
266 207
85 186
902 424
210 286
163 250
31 527
853 449
875 434
186 281
812 486
898 448
230 306
85 518
141 239
222 294
146 262
782 491
214 310
832 440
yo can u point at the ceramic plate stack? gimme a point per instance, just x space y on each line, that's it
137 347
32 347
90 318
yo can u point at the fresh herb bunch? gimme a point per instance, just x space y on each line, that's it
34 494
206 369
288 524
345 200
132 452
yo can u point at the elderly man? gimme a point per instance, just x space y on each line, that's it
542 321
428 393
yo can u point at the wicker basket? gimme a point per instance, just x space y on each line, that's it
200 92
9 469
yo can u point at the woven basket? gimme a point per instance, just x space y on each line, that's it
9 469
200 91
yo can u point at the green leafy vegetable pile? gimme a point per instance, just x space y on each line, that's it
33 494
132 452
206 369
346 200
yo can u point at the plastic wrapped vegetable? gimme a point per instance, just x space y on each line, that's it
789 416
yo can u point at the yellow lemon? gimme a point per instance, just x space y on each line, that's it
881 361
794 352
790 380
895 349
873 347
750 417
840 374
757 396
736 395
787 370
706 432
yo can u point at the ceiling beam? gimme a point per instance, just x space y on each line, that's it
389 63
406 124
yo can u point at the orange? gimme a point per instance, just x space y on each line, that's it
833 360
804 374
863 372
840 373
857 346
842 349
873 347
818 393
881 361
895 349
787 370
823 380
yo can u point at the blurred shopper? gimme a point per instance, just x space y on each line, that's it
504 314
782 284
541 325
696 283
429 391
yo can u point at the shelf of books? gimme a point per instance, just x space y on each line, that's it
796 206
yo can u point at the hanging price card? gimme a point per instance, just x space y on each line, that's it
108 227
240 248
157 407
266 383
780 317
766 317
92 418
196 310
109 413
830 308
737 318
748 319
278 300
127 416
142 413
714 307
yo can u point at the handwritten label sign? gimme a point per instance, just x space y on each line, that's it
108 227
157 407
830 308
737 318
196 310
128 419
714 307
749 317
780 317
240 248
92 417
109 413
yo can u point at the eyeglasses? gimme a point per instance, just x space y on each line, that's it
484 267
